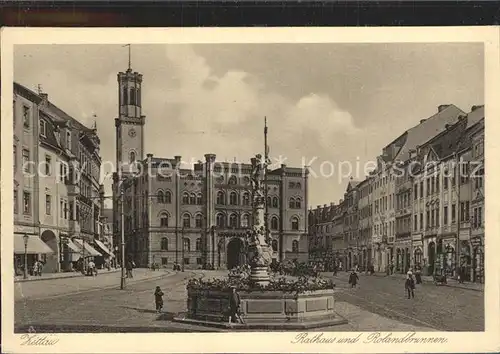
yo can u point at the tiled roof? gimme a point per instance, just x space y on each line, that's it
430 127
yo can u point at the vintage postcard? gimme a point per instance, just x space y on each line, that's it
250 190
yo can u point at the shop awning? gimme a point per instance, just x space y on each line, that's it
73 247
35 245
104 248
89 250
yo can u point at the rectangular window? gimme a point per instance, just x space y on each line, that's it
16 202
71 211
26 160
43 128
48 204
467 211
27 203
432 184
474 218
428 187
445 215
427 219
48 165
421 221
186 260
437 218
61 208
437 184
433 220
421 189
65 210
479 216
453 213
415 222
445 181
164 260
26 116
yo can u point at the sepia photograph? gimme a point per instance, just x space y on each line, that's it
310 188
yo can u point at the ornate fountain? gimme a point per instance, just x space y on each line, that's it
258 237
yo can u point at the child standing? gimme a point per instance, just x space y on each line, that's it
158 299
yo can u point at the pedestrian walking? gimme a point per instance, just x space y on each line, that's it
158 299
130 267
353 279
410 286
234 306
92 269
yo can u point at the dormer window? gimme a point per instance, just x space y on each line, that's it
68 139
43 128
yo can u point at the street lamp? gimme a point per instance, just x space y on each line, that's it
25 238
182 237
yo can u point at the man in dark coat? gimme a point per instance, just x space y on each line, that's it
234 306
353 279
130 267
410 286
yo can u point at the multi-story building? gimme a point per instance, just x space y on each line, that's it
351 239
470 153
365 223
195 215
59 180
322 243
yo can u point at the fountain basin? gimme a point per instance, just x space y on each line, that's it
264 309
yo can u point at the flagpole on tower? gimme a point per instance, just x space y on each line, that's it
129 56
266 158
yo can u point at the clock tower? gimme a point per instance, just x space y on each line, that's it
130 122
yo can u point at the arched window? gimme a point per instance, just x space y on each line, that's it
168 197
132 156
245 220
295 246
292 203
233 198
269 201
297 185
275 202
232 180
160 196
132 96
275 246
274 223
192 199
164 220
198 221
233 220
199 199
198 244
187 244
220 220
298 203
246 199
125 95
295 223
185 198
164 244
220 198
139 97
186 220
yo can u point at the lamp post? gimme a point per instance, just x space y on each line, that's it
25 238
182 238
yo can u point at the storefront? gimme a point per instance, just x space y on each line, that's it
106 255
87 253
27 250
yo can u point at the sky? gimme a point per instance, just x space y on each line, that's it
329 106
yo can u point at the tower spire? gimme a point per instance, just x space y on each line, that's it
129 56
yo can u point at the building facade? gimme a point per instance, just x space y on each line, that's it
196 215
56 194
423 205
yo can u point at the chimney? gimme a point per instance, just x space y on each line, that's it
318 207
45 98
283 166
473 108
423 120
443 107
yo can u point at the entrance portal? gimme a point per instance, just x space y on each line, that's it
235 254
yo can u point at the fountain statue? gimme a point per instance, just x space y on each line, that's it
258 237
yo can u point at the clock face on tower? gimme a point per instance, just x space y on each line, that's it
132 133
